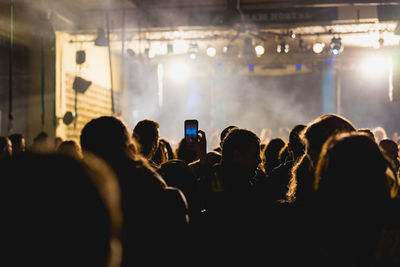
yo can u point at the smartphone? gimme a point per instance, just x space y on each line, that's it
191 129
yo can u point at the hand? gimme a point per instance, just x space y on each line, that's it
201 146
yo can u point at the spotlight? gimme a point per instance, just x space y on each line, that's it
80 85
193 50
318 47
101 39
230 50
211 51
178 71
260 50
192 55
282 48
247 49
336 46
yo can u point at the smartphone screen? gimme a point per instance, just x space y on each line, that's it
191 128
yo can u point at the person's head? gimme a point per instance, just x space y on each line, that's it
107 137
41 143
224 133
271 153
390 148
319 130
177 173
296 146
18 143
5 147
60 211
241 149
185 152
164 152
214 157
168 148
70 147
147 135
352 169
314 135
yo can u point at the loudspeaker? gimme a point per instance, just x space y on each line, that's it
394 79
68 117
80 57
81 85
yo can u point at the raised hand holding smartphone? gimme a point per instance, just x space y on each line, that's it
191 128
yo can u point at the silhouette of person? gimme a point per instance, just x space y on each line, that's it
233 194
186 152
270 154
70 147
147 134
154 213
353 193
224 132
391 149
164 152
18 143
279 177
60 211
41 143
300 204
314 136
5 147
177 173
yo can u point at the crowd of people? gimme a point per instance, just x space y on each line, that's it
328 196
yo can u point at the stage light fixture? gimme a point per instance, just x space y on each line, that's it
101 39
318 47
247 49
282 48
336 45
193 51
229 50
178 71
260 50
211 51
80 85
